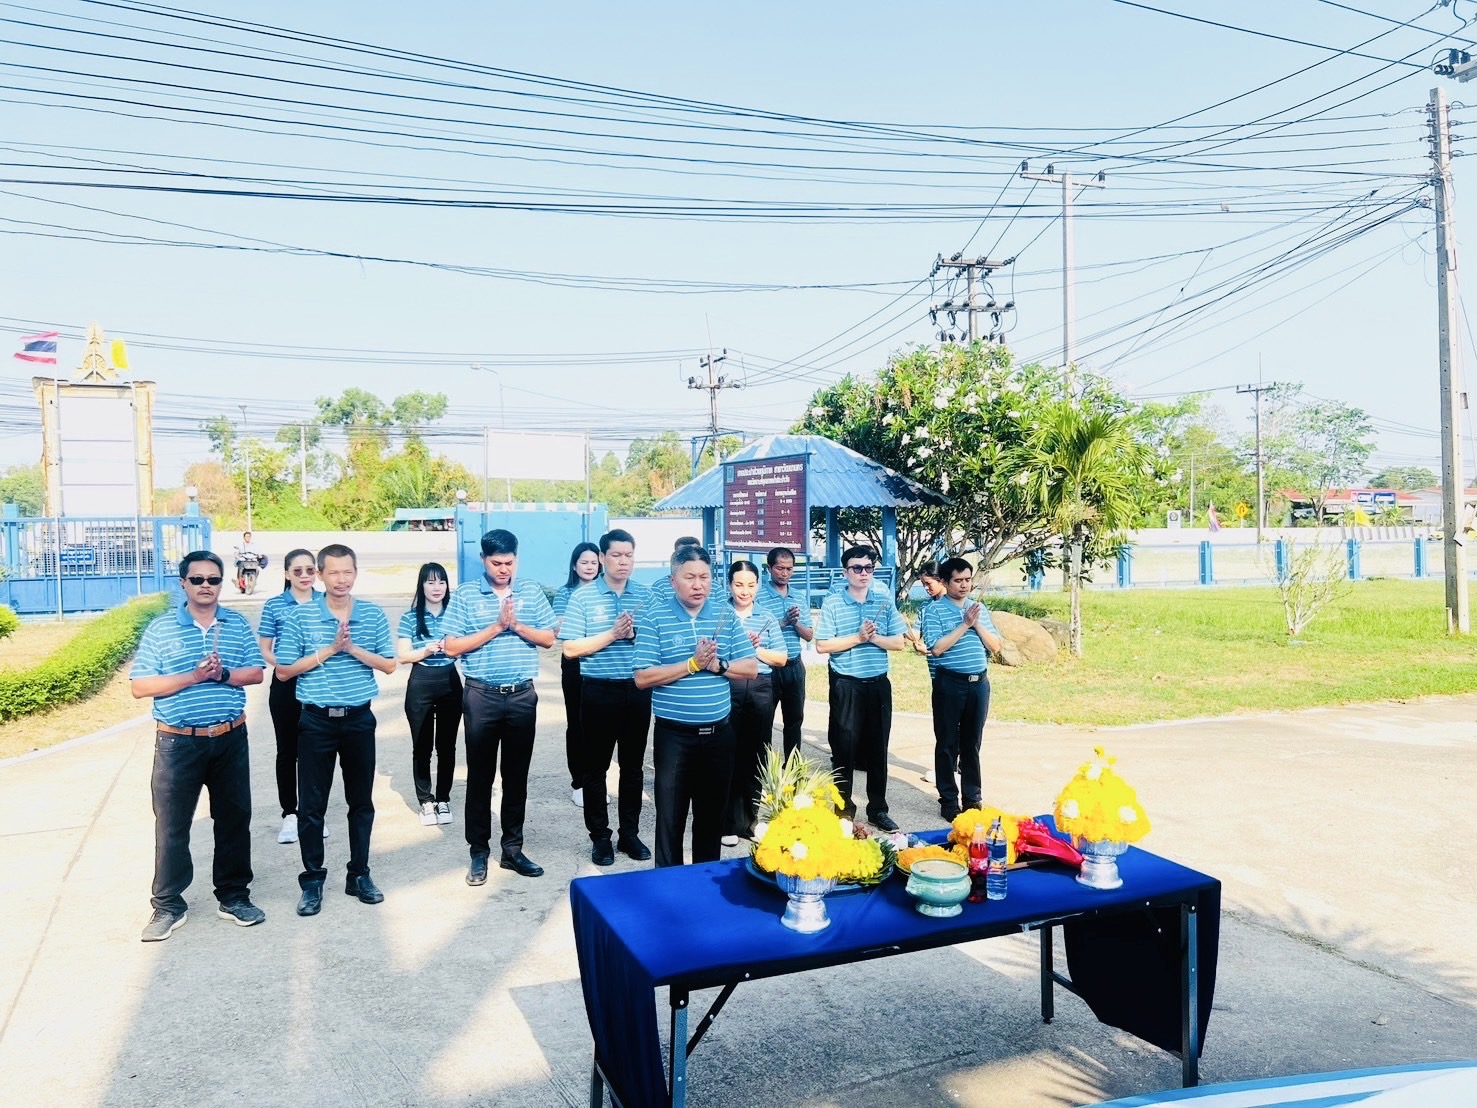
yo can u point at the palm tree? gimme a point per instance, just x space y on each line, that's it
1082 470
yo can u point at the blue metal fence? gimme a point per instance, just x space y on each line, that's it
51 565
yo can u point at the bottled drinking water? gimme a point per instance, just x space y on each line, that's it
996 874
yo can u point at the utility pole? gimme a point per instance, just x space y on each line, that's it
714 384
1453 398
302 463
246 450
1069 306
1256 391
975 270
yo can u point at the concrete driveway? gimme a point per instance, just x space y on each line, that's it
1342 836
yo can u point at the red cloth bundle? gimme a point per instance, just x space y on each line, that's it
1036 840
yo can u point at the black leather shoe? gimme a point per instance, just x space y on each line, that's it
522 865
477 871
602 853
883 822
311 902
949 812
634 849
364 889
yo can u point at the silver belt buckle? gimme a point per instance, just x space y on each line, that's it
974 678
507 690
337 713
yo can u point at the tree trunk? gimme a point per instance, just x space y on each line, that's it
1074 626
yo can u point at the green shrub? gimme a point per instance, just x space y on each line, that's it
1025 606
9 621
83 665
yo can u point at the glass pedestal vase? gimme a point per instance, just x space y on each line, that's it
1099 862
806 910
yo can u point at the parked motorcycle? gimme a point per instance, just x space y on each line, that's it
248 568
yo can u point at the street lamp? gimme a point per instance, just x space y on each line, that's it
486 451
247 452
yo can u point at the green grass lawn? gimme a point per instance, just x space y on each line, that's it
1175 654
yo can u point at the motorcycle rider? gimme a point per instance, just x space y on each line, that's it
246 550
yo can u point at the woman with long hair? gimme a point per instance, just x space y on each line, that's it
299 572
584 567
433 695
752 716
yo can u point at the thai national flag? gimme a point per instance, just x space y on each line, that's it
39 348
1215 520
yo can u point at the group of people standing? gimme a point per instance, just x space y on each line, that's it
703 670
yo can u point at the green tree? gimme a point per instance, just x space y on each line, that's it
1193 443
1314 446
24 486
1405 479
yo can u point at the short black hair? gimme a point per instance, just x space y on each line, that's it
200 556
951 568
684 554
336 550
777 553
859 552
686 540
499 541
615 535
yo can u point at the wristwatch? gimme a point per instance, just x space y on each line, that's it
225 675
722 667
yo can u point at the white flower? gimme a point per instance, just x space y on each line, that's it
846 828
804 800
1023 478
907 438
798 849
941 402
1014 415
971 402
924 451
1013 386
1070 810
817 411
760 830
1126 814
923 432
1094 771
944 483
1163 451
947 391
888 419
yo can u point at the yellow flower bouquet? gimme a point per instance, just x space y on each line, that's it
1097 805
801 834
965 822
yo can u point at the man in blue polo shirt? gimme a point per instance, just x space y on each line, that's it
335 645
496 625
661 588
688 648
599 629
792 613
857 628
959 634
196 662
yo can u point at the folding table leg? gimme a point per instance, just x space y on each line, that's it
1048 972
677 1048
597 1086
1190 996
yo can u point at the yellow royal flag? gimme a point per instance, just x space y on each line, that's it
120 354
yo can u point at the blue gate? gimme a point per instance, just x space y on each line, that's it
65 565
546 532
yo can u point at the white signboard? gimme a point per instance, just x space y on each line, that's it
97 456
1174 520
532 456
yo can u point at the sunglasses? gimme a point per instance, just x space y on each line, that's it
198 580
859 569
303 571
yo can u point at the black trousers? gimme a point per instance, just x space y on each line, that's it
348 739
959 710
788 682
693 765
183 765
571 681
861 725
497 721
282 702
620 715
433 707
752 719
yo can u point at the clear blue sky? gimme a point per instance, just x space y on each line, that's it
977 88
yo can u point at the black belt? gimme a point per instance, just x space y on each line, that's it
860 680
505 690
694 728
972 678
610 680
336 712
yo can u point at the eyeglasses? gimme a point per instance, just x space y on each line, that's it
303 571
859 569
198 580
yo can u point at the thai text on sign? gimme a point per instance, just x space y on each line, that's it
764 503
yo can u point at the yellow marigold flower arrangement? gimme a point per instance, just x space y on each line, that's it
966 821
1099 805
808 841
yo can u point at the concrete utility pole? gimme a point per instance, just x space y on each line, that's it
714 384
302 463
1453 398
246 450
1256 391
975 270
1069 305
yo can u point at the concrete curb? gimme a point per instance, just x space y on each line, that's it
83 740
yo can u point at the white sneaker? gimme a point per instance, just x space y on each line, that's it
288 834
577 797
730 840
326 831
928 775
443 812
428 814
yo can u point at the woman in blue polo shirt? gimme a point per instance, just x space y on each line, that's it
298 575
584 567
433 696
753 701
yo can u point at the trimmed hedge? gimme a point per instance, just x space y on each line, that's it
84 665
9 621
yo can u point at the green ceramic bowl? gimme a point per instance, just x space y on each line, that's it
939 885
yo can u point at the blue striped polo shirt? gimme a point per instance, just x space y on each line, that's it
174 643
842 616
275 612
968 655
769 632
667 634
508 658
409 631
661 589
342 681
560 600
778 604
593 611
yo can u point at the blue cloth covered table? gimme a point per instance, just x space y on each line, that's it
1129 951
